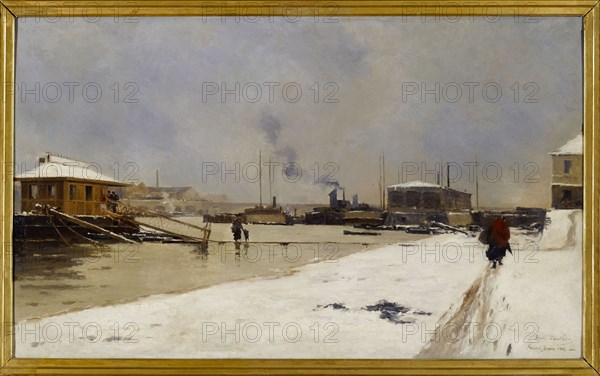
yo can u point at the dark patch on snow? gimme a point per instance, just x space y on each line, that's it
394 317
390 311
340 306
384 305
422 313
508 349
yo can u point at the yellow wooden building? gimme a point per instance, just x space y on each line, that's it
74 187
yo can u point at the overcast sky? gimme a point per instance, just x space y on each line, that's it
372 70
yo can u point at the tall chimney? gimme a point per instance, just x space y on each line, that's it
157 179
448 173
274 201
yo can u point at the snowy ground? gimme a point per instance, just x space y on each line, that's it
529 308
384 303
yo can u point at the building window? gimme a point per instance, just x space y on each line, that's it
413 199
51 191
88 192
33 191
568 164
393 198
431 200
72 192
566 196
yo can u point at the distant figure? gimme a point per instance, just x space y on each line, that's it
497 237
236 229
111 198
114 197
246 235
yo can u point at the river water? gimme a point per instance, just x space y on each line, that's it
57 279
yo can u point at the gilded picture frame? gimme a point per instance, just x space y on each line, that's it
589 364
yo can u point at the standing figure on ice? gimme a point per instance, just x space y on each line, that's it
497 236
236 229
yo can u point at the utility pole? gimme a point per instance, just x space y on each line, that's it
380 197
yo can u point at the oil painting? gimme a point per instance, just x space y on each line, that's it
283 187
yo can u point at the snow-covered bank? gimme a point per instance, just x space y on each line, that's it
383 303
325 310
528 308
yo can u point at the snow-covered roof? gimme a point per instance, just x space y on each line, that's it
573 147
414 184
79 171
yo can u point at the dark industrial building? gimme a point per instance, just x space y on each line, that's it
418 196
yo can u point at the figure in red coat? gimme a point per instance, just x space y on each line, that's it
498 236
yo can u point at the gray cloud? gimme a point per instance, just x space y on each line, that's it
172 129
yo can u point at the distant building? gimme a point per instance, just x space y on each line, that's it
137 191
567 175
175 193
143 192
75 187
418 196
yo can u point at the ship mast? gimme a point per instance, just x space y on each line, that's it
270 179
380 197
383 177
260 177
476 184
